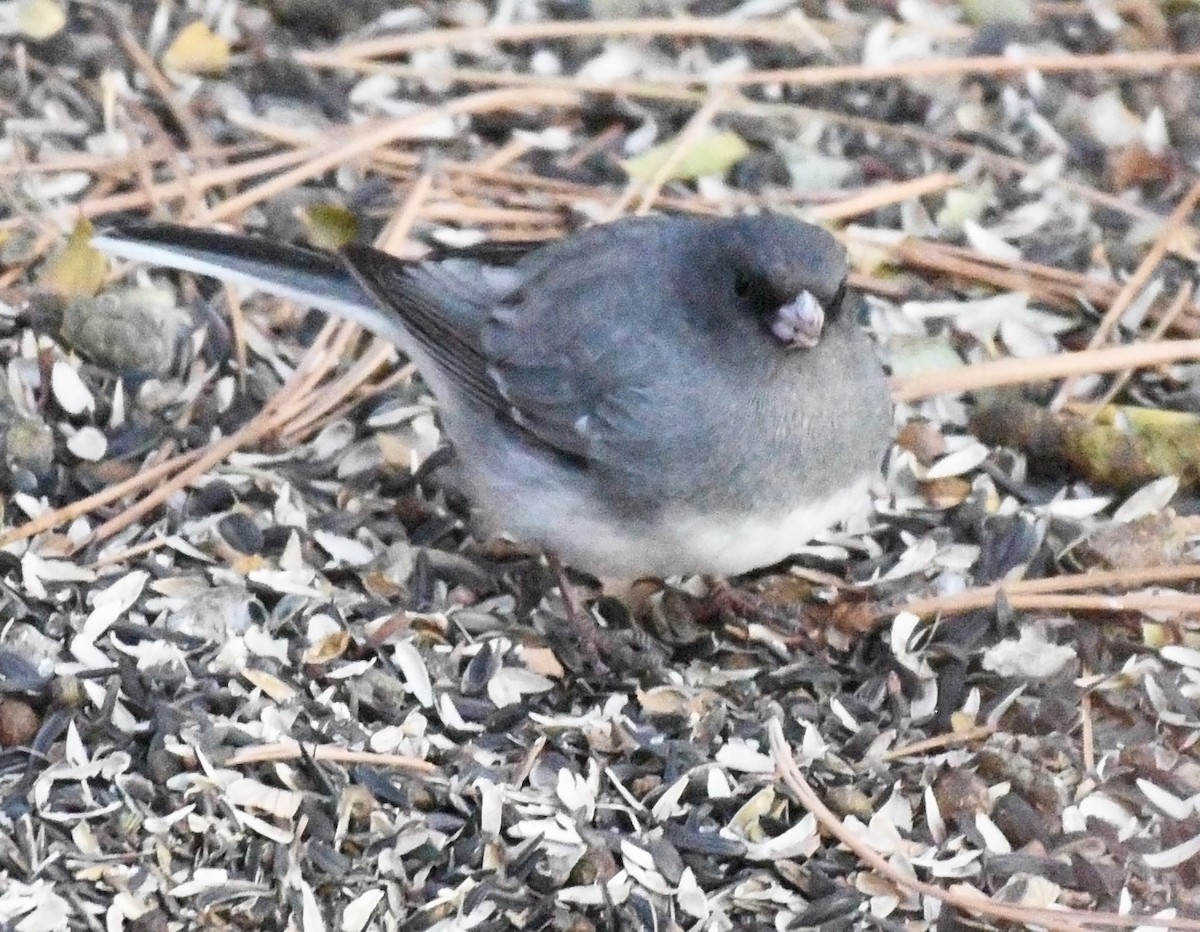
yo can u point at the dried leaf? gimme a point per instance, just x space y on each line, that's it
79 270
328 648
988 12
330 226
197 50
713 155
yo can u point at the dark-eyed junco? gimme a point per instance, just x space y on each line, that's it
651 397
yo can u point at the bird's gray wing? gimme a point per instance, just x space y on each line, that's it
561 354
578 350
440 307
556 341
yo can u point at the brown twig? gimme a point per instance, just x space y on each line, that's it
999 372
967 900
683 28
354 57
209 457
884 195
1087 734
383 133
1062 290
1157 252
1164 323
991 65
937 742
647 194
192 128
269 753
985 596
120 165
1144 602
167 190
67 513
658 91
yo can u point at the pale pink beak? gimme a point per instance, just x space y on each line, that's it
799 323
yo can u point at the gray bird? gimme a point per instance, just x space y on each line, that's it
650 397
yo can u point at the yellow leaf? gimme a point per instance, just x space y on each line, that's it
79 270
197 50
713 155
329 226
963 204
985 12
40 19
1155 635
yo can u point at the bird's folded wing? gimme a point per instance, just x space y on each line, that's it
545 355
561 356
440 308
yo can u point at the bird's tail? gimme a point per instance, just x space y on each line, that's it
312 278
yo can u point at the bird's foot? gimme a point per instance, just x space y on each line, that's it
600 649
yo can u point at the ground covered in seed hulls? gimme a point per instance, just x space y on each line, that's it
254 671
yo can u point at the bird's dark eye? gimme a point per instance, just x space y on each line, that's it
741 284
835 306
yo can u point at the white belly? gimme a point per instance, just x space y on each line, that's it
723 545
728 545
